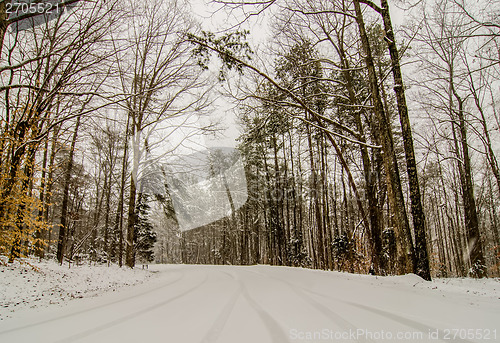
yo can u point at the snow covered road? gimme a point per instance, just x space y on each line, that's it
260 304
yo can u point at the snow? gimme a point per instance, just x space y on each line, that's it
187 303
32 284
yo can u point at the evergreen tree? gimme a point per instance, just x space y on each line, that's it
145 236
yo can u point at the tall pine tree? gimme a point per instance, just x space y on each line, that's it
145 237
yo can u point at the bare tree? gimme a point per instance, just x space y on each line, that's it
444 43
47 75
161 81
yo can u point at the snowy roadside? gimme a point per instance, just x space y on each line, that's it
486 289
483 288
31 284
34 284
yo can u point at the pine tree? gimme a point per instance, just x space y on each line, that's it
145 236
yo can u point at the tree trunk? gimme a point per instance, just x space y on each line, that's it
314 189
50 183
129 250
39 234
107 189
395 192
64 207
119 212
375 234
3 25
490 154
474 243
421 267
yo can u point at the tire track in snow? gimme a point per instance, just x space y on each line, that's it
325 310
272 326
424 328
130 316
213 334
169 283
344 324
394 317
402 320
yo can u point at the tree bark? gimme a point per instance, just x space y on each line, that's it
119 212
315 205
375 234
421 267
474 243
130 249
395 193
64 207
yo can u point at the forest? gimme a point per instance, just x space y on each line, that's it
368 134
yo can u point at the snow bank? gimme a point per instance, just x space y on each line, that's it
32 284
489 288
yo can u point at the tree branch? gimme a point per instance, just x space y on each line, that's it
372 5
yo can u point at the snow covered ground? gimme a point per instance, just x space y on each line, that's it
183 304
32 284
